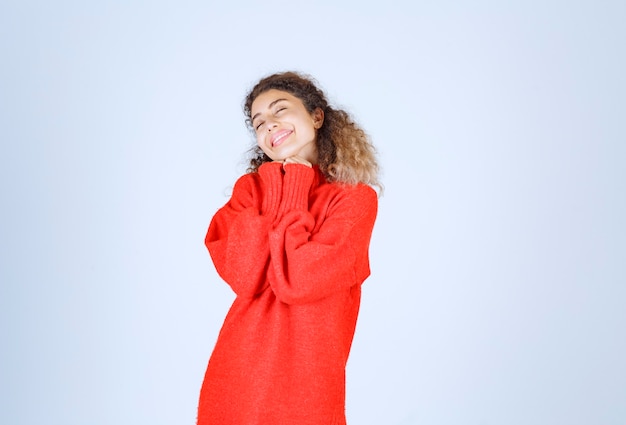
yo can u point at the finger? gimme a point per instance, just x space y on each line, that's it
297 160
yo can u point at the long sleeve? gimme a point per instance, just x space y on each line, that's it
237 238
308 264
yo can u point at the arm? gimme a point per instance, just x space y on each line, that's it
307 266
237 237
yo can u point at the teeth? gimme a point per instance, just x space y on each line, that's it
281 137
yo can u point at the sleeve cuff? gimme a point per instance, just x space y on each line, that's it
272 177
296 186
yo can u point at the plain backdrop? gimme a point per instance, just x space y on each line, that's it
497 293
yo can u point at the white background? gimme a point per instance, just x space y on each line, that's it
497 293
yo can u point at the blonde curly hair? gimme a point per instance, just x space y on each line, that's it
345 152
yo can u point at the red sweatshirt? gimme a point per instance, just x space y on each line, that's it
294 249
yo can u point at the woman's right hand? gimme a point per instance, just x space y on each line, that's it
296 160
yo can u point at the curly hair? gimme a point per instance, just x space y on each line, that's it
345 152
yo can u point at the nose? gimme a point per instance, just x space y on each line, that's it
270 125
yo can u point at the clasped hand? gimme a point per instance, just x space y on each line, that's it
295 160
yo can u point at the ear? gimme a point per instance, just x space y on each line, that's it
318 118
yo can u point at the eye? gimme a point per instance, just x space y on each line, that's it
258 126
282 108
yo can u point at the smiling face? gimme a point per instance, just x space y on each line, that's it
283 126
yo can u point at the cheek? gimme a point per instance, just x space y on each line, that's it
259 143
260 140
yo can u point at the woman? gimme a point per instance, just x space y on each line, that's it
292 242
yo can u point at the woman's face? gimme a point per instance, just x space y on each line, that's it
283 126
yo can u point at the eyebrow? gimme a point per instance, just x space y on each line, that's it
269 107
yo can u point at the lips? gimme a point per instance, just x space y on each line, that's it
279 137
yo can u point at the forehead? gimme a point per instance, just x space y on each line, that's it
265 100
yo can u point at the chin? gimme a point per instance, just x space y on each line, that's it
281 156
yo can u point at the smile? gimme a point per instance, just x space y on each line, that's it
279 137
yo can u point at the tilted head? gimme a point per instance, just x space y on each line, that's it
341 148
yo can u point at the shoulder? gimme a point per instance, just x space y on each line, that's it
360 193
247 181
353 200
253 184
247 188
